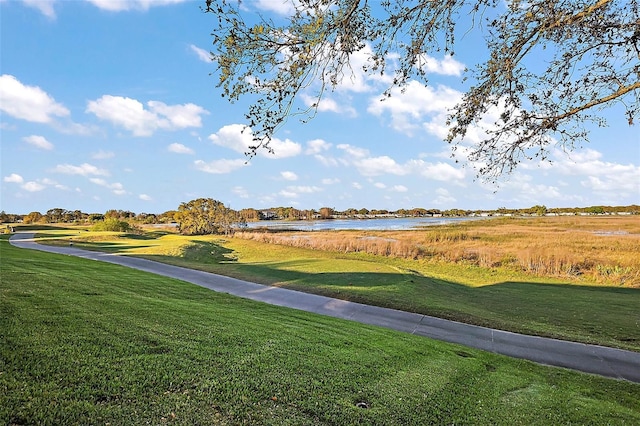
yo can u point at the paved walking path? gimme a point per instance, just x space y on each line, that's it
593 359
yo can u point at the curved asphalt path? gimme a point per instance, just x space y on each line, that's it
600 360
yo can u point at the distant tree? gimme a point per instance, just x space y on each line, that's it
294 214
595 210
111 214
455 212
167 217
33 217
250 215
205 216
93 217
78 215
4 217
55 215
119 214
147 218
309 214
326 213
538 210
550 66
350 212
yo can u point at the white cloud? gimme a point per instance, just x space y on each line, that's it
284 148
28 102
132 115
178 148
356 79
240 192
44 6
84 169
13 178
446 66
326 161
233 136
399 188
304 189
281 7
328 105
115 187
356 185
202 54
295 191
286 175
38 142
353 151
50 182
145 197
375 166
316 146
444 198
602 177
239 138
411 108
33 186
125 112
102 155
179 116
219 166
615 183
124 5
71 128
588 162
380 185
439 171
330 181
288 194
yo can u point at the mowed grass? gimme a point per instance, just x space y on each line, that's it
493 297
84 342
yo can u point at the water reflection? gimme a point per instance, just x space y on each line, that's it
383 224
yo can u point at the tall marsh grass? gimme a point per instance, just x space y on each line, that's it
601 250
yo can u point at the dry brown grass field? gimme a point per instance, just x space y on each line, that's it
601 250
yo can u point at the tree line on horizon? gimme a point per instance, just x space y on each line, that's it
209 216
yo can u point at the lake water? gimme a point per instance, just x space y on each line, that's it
383 224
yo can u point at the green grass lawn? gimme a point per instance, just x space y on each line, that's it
496 298
84 342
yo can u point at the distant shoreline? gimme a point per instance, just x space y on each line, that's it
378 223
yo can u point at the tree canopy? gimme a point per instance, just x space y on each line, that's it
205 216
551 65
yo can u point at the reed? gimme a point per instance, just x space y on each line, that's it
600 250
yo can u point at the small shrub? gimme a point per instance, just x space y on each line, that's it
111 225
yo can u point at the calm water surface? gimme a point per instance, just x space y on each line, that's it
386 224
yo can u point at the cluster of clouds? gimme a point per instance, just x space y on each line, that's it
132 115
406 110
48 7
416 110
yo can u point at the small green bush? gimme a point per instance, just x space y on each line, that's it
111 224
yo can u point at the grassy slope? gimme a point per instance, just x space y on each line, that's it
83 342
492 297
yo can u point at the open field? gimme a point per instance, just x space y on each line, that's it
501 297
85 342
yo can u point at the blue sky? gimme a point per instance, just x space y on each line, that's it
109 104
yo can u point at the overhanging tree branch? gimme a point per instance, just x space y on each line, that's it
551 63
